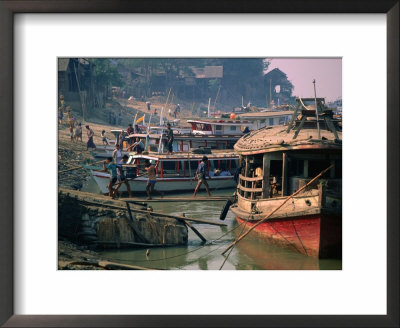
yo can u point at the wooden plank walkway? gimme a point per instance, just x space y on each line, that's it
100 200
177 199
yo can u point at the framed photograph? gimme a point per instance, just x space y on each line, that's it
230 76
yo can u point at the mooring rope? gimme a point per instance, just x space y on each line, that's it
226 258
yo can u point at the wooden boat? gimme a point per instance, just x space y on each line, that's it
277 161
219 127
175 173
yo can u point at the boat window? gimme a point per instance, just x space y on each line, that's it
338 169
275 178
169 166
193 165
295 167
233 128
316 166
234 164
213 165
271 121
218 127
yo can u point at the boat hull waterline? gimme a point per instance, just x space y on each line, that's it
316 235
181 184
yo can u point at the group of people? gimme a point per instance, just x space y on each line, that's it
114 165
176 111
75 128
117 175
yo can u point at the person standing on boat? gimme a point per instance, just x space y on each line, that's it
170 138
121 178
117 154
138 146
151 182
121 138
148 104
108 165
201 173
90 134
130 131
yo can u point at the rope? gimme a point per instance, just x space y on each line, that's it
301 242
226 258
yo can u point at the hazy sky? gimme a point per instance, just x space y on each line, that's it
301 72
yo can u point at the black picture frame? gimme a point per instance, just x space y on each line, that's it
10 7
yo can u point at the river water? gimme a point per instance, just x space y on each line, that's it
249 254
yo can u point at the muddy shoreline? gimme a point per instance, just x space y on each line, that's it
76 257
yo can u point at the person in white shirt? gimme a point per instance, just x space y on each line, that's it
117 155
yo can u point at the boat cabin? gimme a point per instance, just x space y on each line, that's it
278 161
219 127
281 173
185 164
267 118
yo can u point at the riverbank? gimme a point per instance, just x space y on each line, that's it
74 257
73 154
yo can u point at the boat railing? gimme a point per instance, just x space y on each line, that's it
250 187
250 179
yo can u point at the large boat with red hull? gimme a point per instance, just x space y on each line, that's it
278 161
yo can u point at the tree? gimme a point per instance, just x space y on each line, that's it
106 75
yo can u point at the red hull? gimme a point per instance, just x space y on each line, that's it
317 235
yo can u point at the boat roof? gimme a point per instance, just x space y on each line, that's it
260 115
186 156
116 131
271 139
144 135
219 122
165 128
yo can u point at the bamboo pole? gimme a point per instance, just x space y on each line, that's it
276 209
111 265
117 204
78 168
316 109
133 226
197 232
166 102
181 199
216 97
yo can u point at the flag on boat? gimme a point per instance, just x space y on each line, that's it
140 119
